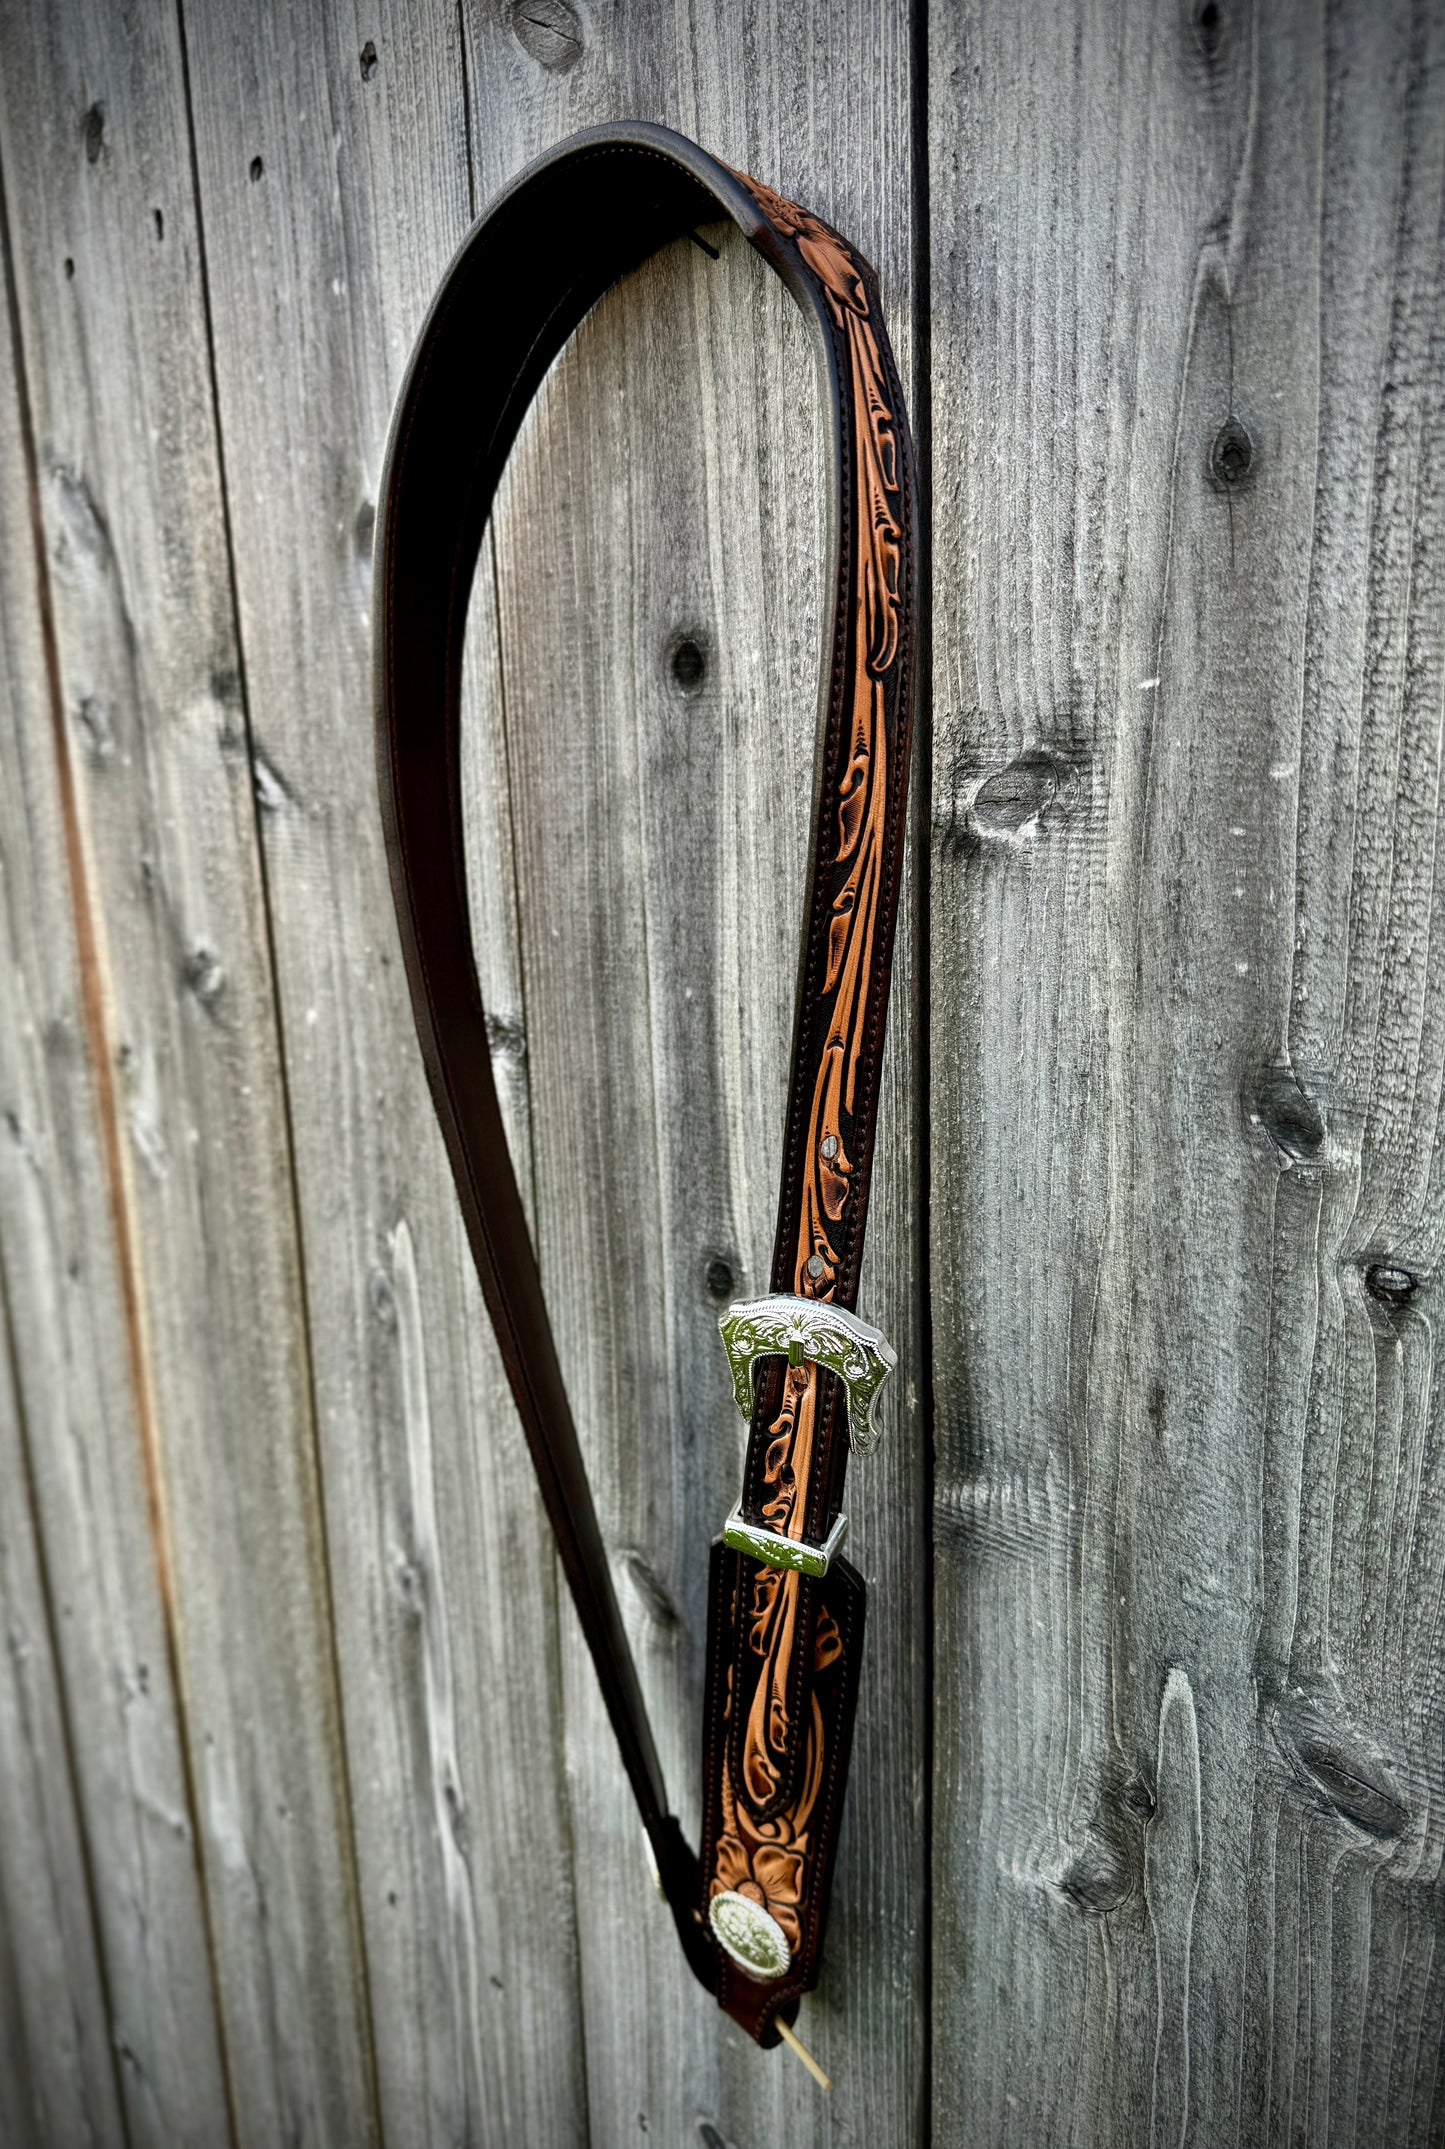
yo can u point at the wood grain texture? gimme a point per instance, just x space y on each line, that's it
94 135
332 156
310 1821
668 489
73 1463
1186 1021
58 2074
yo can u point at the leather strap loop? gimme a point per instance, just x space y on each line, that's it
783 1650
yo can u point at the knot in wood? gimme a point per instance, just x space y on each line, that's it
1231 459
1392 1286
689 666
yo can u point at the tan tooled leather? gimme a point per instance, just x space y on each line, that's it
783 1651
785 1702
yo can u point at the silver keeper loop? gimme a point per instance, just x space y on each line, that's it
794 1554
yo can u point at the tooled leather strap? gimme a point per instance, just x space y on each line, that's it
783 1646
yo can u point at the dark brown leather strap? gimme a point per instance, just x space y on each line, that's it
783 1647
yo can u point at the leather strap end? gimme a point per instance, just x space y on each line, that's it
778 1860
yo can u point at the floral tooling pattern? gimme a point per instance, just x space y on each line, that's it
766 1859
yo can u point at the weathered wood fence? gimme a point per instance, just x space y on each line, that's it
310 1826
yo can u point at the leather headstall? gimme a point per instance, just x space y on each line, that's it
785 1623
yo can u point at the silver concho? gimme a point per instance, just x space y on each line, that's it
743 1929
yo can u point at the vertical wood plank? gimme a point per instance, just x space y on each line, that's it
332 153
667 491
1351 1649
1186 1049
95 141
82 1476
57 2072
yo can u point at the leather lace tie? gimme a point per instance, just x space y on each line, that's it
785 1621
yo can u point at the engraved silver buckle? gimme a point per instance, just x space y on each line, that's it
809 1330
805 1331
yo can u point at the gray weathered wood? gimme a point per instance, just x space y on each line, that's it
83 1479
57 2070
1186 995
297 1735
668 486
93 131
332 154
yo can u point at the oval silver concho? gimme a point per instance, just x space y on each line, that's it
743 1930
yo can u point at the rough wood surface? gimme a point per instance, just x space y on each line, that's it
332 157
98 171
1186 1023
310 1822
667 491
73 1468
58 2074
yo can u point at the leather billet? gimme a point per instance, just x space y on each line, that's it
784 1646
